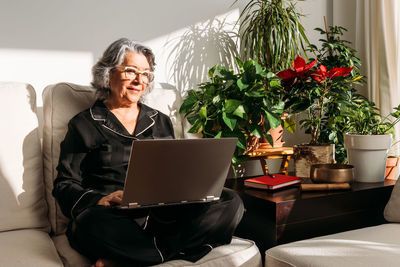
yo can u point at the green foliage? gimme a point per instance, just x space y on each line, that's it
363 117
271 33
336 52
233 104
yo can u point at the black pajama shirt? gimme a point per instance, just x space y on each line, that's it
93 162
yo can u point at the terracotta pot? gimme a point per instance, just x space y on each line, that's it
392 170
276 135
306 155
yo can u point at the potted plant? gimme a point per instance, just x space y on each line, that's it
336 52
243 104
368 138
271 33
312 87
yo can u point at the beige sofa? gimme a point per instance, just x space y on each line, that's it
31 225
370 246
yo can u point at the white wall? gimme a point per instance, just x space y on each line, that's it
48 41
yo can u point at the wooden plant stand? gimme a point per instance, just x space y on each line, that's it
284 153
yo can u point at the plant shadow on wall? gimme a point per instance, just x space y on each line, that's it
197 49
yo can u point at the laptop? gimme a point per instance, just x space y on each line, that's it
176 171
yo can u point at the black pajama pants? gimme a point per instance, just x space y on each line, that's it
150 236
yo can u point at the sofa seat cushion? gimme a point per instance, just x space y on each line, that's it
370 246
28 247
69 256
240 252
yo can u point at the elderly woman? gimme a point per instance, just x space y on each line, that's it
91 171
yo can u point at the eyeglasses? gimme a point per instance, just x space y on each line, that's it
132 73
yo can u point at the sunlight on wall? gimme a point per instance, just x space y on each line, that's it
41 68
184 56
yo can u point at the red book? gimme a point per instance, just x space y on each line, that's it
268 182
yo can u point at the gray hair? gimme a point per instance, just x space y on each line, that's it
113 56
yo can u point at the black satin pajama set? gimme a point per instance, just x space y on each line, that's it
93 161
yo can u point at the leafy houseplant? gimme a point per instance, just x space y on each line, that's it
312 89
271 33
336 52
366 140
241 105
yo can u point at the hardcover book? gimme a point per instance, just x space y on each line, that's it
272 183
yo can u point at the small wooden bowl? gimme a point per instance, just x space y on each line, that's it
332 173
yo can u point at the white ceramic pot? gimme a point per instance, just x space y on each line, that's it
368 154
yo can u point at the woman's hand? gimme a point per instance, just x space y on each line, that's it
113 198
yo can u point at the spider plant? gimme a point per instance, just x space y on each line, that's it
271 33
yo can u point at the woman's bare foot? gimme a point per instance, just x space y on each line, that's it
104 263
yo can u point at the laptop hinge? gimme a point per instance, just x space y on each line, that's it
133 205
211 198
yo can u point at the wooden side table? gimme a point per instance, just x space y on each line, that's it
284 153
287 214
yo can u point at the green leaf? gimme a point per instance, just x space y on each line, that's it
270 75
188 104
219 134
229 120
241 84
290 124
274 83
231 105
197 127
254 94
278 107
203 112
211 71
240 112
269 138
216 99
272 120
256 130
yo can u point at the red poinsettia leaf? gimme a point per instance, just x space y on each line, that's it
310 65
287 74
299 64
323 68
337 72
318 75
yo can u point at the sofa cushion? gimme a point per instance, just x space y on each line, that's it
60 103
392 209
28 247
22 203
240 252
64 100
69 256
370 246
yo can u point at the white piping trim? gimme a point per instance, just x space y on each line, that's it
145 222
162 258
72 216
151 117
127 136
209 246
91 114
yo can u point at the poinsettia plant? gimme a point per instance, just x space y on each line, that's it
311 87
